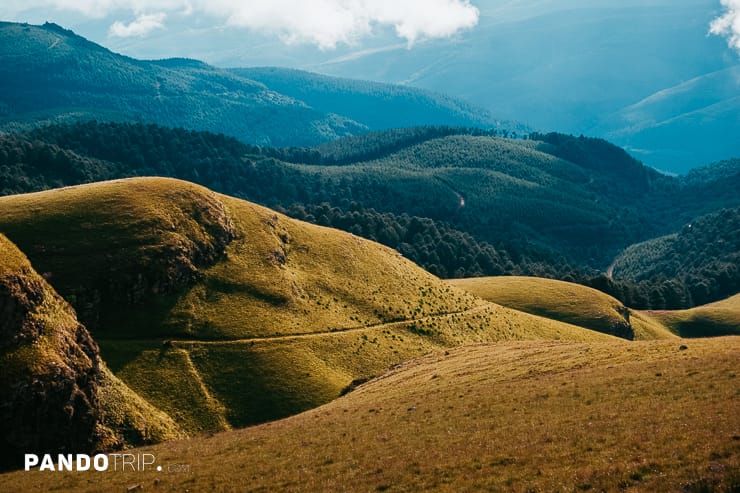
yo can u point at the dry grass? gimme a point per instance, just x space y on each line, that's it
714 319
566 302
515 416
282 323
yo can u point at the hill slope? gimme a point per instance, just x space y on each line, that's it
49 74
248 315
712 320
704 256
564 301
377 105
517 416
57 395
459 202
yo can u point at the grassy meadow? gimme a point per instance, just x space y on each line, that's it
302 358
567 302
659 416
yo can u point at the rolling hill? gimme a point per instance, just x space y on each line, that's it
712 320
49 74
246 314
517 416
564 301
459 202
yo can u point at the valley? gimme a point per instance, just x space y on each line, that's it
265 279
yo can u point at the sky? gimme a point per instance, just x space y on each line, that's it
320 24
324 24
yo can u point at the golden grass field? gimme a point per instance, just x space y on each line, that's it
567 302
495 384
658 416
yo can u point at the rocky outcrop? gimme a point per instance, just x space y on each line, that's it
49 370
56 395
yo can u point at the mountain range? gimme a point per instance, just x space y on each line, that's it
645 75
50 74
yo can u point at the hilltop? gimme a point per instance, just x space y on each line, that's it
246 314
49 74
517 416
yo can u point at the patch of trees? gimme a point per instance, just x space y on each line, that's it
697 265
434 245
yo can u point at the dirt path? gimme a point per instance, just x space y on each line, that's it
325 333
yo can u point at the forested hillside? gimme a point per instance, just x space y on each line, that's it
50 74
704 255
459 202
377 105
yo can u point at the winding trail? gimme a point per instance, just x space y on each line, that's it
325 333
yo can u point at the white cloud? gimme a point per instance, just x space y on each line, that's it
325 23
728 25
143 25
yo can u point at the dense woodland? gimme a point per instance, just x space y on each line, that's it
458 202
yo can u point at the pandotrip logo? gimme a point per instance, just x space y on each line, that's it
101 463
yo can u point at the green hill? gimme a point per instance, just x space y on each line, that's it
49 74
515 416
703 256
563 301
56 395
246 314
712 320
458 202
459 179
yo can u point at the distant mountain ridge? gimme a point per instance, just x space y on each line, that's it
50 74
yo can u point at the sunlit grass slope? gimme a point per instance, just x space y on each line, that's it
564 301
226 313
714 319
516 416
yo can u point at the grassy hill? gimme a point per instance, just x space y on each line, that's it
715 319
56 393
563 301
515 416
49 74
246 314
